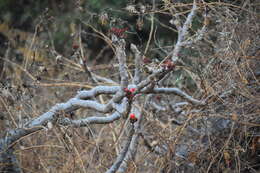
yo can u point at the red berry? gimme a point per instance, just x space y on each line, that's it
132 90
133 118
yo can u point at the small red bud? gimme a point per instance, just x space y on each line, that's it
132 90
129 93
133 118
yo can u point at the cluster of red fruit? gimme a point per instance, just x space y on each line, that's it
118 31
129 93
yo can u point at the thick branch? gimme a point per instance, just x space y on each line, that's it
121 109
182 33
90 104
90 120
121 56
88 94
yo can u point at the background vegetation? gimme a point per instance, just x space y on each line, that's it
45 44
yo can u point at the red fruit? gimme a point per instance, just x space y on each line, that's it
133 118
132 90
129 93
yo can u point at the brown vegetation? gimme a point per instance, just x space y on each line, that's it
218 66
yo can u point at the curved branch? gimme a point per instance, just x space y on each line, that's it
87 94
121 109
90 104
90 120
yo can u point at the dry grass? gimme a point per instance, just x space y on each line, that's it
226 73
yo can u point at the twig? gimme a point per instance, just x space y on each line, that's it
151 30
135 139
177 92
123 153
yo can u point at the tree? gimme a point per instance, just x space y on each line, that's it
128 100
